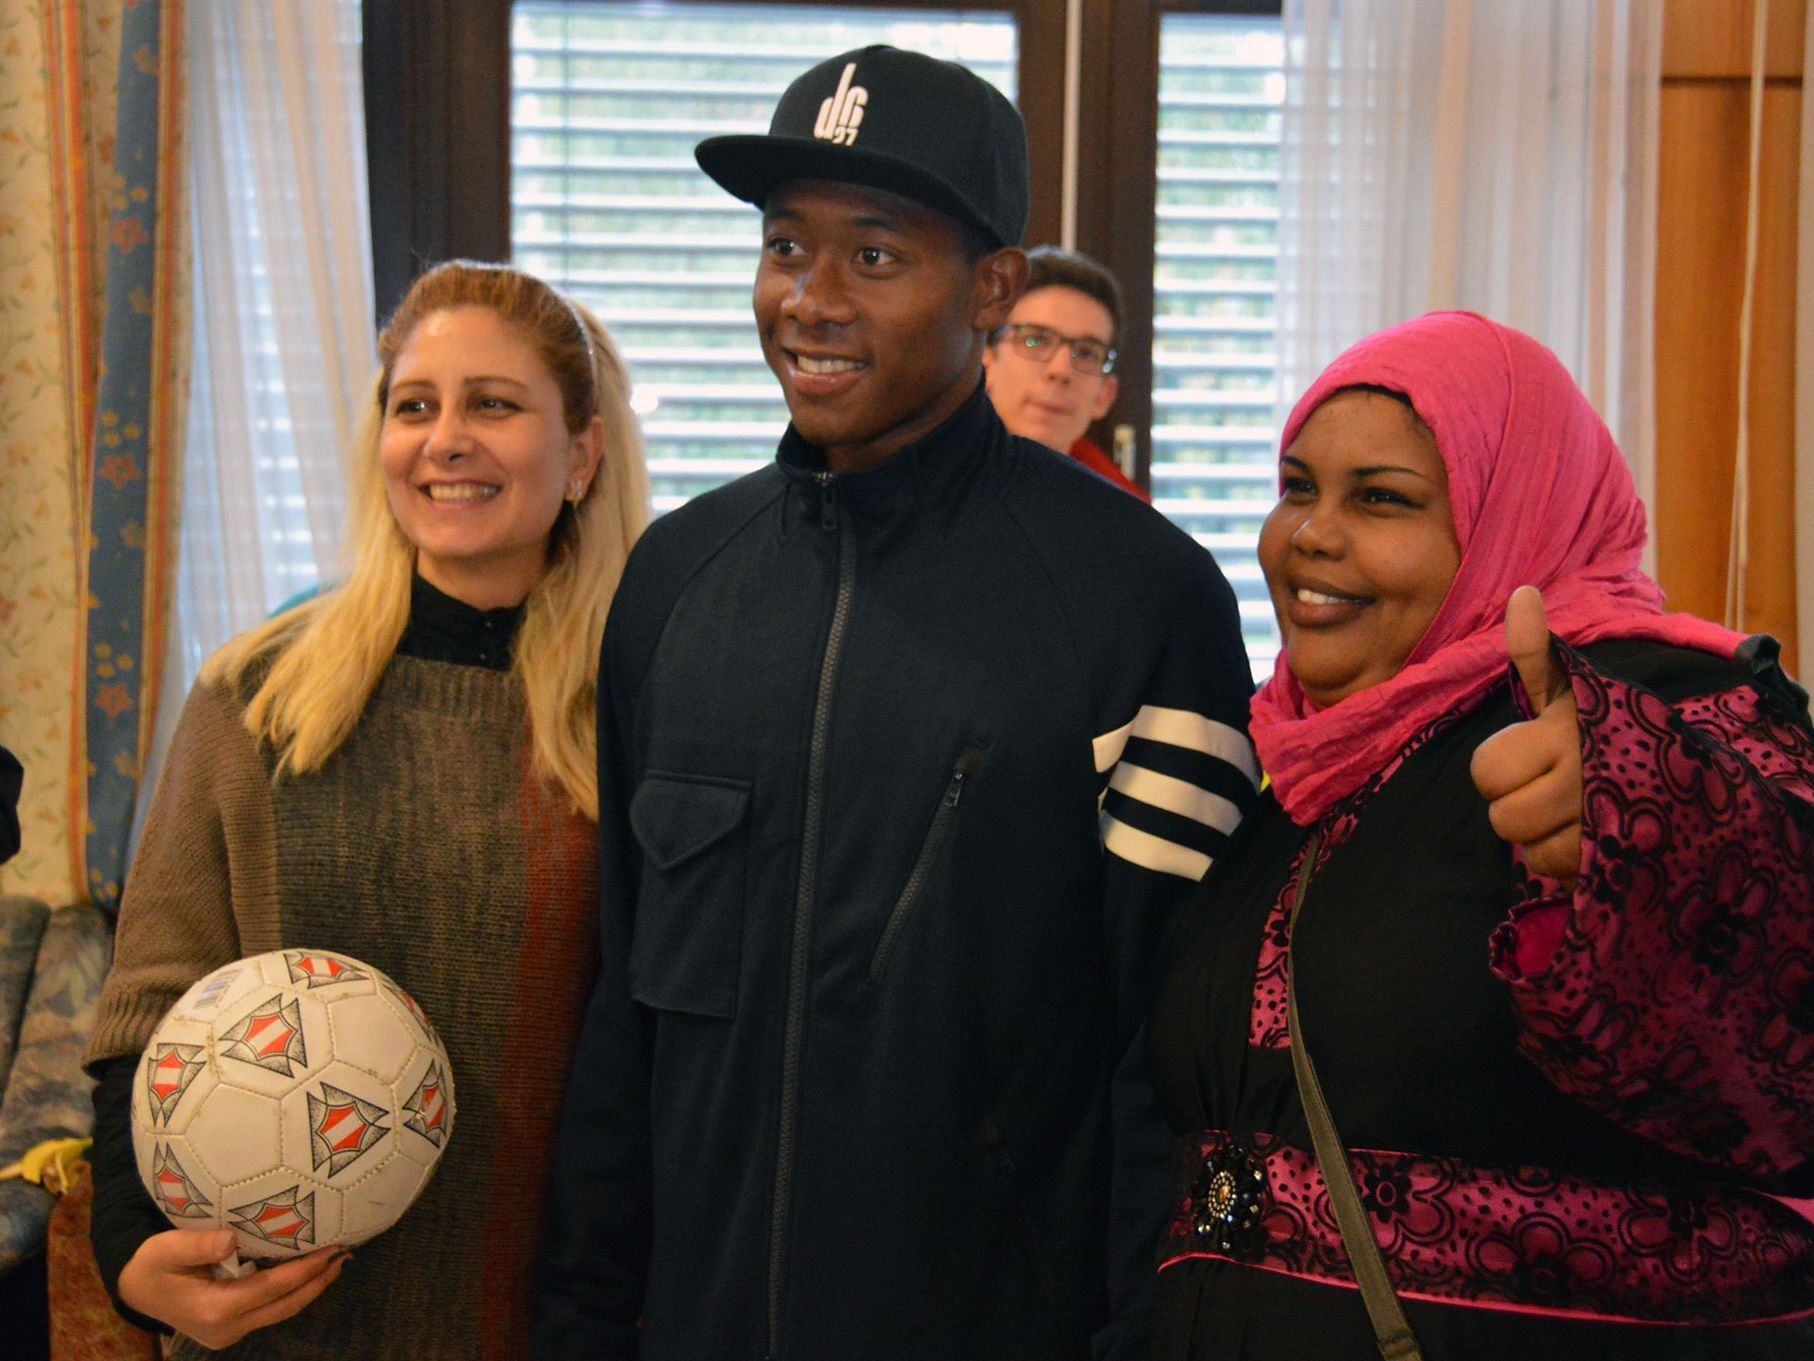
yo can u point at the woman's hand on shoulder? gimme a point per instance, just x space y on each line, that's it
170 1278
1530 772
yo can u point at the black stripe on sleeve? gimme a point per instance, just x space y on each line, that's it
1193 767
1172 827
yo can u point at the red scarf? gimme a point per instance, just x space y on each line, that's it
1541 496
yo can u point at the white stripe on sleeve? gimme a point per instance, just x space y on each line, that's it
1172 795
1176 796
1152 852
1110 745
1182 728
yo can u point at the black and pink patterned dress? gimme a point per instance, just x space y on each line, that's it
1581 1118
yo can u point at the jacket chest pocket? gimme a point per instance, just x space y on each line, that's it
687 947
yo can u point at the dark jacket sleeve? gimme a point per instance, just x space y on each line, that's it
596 1242
1179 775
1668 987
124 1215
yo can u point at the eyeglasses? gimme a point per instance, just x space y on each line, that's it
1037 343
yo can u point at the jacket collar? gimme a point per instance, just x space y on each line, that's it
935 475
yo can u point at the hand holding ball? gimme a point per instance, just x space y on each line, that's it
299 1098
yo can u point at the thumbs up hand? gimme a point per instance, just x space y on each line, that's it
1530 773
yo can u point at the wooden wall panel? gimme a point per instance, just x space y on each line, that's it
1712 38
1700 277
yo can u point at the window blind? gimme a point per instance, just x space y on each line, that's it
1216 234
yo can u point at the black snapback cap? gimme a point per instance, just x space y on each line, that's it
884 118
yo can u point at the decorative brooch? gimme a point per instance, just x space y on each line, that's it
1229 1198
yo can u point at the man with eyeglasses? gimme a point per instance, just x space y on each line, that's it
1051 369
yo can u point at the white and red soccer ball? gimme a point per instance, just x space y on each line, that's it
299 1098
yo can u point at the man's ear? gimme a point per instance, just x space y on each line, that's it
996 285
1105 398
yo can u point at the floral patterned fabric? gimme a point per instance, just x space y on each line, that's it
1642 1039
59 59
133 463
1679 1001
92 376
1717 841
1524 1237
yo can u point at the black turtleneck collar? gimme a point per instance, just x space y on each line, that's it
936 472
442 629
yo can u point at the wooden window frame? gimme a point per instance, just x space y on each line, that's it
437 84
437 136
1119 111
437 115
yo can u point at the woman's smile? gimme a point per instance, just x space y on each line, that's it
1321 606
1360 550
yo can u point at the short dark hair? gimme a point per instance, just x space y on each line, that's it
1050 266
974 241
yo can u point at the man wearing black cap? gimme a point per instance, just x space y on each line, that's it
910 746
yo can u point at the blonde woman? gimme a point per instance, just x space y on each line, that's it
404 769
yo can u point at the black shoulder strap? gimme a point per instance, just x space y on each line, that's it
1390 1328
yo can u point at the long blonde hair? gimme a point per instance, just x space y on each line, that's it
330 652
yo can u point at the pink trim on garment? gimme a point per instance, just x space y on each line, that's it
1495 1306
1519 1238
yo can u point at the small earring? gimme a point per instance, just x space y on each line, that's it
575 491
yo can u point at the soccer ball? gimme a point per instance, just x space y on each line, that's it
299 1098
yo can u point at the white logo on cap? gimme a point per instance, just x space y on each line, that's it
842 114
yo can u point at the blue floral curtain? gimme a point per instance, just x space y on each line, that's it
131 482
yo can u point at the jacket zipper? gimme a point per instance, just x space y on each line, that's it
962 769
801 952
997 1146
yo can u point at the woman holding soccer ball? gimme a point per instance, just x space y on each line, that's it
403 769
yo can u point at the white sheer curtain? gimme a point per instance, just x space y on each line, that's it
283 313
1479 154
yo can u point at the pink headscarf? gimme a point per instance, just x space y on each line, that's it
1541 496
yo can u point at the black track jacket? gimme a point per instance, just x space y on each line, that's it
902 775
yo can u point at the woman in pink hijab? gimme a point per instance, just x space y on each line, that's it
1553 855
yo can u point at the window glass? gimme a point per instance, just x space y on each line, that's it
1220 90
607 101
